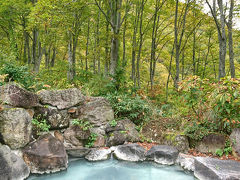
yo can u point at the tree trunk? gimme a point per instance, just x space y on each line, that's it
230 40
86 59
53 57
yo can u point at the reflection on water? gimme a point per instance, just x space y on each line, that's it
116 170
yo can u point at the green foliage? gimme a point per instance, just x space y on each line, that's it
20 75
91 140
85 125
196 131
219 152
131 107
40 125
227 149
221 100
113 123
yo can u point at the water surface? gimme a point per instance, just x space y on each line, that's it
116 170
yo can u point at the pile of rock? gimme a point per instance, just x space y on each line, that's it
47 152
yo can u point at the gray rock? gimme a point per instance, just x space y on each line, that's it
47 154
99 142
118 127
124 131
75 136
12 167
78 152
130 128
177 140
130 152
186 161
211 143
235 139
15 127
62 99
214 169
16 96
98 112
163 154
98 154
116 138
57 119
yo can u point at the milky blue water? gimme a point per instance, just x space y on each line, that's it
117 170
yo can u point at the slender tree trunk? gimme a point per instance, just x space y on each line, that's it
230 40
124 61
53 57
71 71
134 45
140 43
38 59
87 46
106 65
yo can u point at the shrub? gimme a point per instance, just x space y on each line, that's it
20 75
131 107
221 99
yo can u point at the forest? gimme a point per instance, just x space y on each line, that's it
172 65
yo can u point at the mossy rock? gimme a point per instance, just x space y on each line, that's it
176 139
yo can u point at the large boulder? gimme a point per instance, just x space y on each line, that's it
235 139
46 154
130 152
98 112
12 167
78 152
208 169
98 154
177 140
75 136
15 127
211 143
116 138
124 131
57 119
16 96
163 154
62 99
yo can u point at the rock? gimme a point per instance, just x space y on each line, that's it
59 136
46 154
78 152
176 140
130 152
211 143
124 131
163 154
62 99
235 139
15 127
186 161
57 119
98 154
75 136
208 169
116 138
12 167
16 96
130 128
100 142
119 127
98 113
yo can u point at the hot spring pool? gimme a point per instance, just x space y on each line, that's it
116 170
